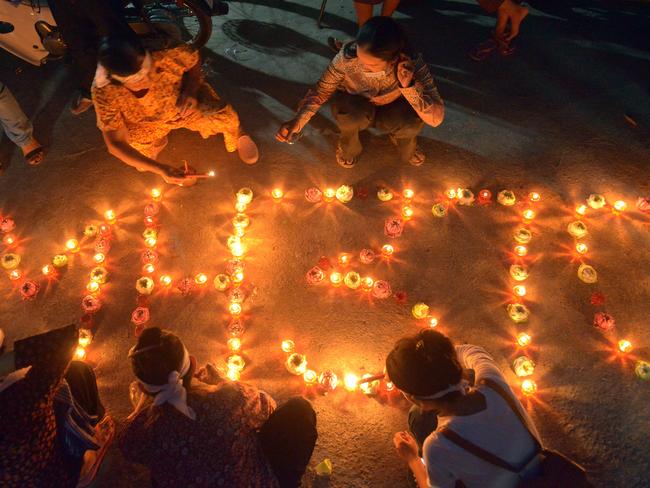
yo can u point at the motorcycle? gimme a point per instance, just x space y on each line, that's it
28 29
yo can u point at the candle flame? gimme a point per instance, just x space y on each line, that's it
523 339
351 381
528 387
624 346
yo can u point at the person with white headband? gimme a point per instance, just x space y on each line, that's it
203 430
141 96
436 377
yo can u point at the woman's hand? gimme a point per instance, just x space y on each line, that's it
288 131
405 73
406 446
175 176
186 104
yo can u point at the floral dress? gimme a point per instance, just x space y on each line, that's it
31 454
218 449
150 118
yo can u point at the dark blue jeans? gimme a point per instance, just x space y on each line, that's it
421 424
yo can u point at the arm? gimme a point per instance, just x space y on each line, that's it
419 89
258 405
477 359
419 472
187 100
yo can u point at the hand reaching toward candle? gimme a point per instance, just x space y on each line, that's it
177 176
209 374
289 132
406 446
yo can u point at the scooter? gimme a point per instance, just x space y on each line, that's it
28 29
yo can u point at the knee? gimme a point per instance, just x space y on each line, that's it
301 406
352 114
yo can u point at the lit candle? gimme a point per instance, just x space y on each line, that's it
288 346
433 322
582 248
237 277
277 194
408 194
519 290
233 374
47 270
201 279
150 242
484 197
149 221
451 193
350 381
521 250
523 339
420 310
329 195
534 196
384 194
165 280
620 206
344 259
236 246
528 387
407 212
93 287
234 344
581 209
9 240
236 362
212 173
528 215
99 258
387 250
336 278
245 196
80 353
390 386
221 282
523 366
110 216
156 194
85 337
367 283
310 377
148 268
296 364
624 346
352 280
72 245
235 309
240 207
15 275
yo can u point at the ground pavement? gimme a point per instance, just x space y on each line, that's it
566 116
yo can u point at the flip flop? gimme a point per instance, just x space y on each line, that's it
35 156
418 157
481 51
343 162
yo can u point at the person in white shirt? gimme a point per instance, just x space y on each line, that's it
432 374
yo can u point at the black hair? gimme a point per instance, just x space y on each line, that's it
383 38
424 364
121 55
162 353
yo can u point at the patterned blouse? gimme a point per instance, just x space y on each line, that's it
345 73
30 453
218 449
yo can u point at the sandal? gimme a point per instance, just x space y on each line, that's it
481 51
247 150
80 105
418 157
35 156
343 162
104 433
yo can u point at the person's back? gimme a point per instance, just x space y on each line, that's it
218 448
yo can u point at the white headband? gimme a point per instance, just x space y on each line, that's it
173 392
103 77
460 387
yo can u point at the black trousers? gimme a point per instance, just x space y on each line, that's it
288 438
422 424
83 386
354 113
82 24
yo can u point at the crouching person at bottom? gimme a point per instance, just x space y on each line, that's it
202 430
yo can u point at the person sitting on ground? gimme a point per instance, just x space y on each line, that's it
18 127
375 80
428 370
510 15
140 97
206 431
54 430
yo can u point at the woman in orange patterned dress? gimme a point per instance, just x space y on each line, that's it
140 97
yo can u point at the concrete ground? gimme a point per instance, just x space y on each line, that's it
567 115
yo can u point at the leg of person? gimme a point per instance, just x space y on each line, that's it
364 11
421 424
353 113
83 386
288 438
403 124
388 7
18 127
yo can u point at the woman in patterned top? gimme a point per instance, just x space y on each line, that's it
206 431
140 97
375 81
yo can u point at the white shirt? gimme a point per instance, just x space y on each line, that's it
495 429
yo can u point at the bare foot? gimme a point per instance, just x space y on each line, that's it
247 150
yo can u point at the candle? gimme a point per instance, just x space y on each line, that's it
156 194
344 259
201 279
367 283
521 250
9 240
144 285
288 346
165 280
390 386
433 322
484 197
328 381
212 173
582 248
439 209
387 250
233 374
384 194
344 193
624 346
150 242
352 280
221 282
234 344
408 194
148 268
15 275
10 261
236 246
241 221
519 290
420 310
85 337
149 221
407 212
237 277
93 287
350 381
518 312
244 196
518 272
235 309
369 387
236 362
450 193
329 194
72 245
99 258
296 364
80 353
99 274
528 215
523 339
534 196
277 194
110 216
310 377
620 205
528 387
48 270
336 278
60 261
581 209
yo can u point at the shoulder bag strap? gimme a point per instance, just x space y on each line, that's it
477 451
